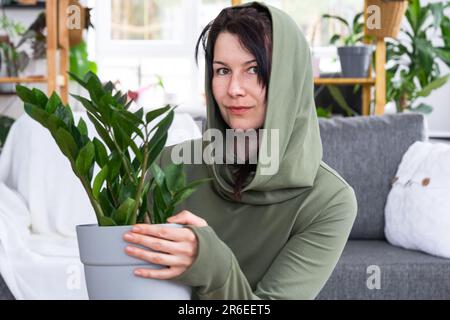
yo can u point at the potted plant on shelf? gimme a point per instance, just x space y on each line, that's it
14 60
35 36
354 55
124 155
413 60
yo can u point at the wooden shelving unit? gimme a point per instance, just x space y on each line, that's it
56 78
379 81
344 81
23 80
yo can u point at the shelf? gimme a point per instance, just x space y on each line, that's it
344 81
57 57
23 80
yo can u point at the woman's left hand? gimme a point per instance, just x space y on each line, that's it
177 246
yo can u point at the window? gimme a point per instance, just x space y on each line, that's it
135 41
147 20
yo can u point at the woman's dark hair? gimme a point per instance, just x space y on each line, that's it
253 26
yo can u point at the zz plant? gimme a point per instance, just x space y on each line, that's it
123 156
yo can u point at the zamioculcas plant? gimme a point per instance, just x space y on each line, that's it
126 151
114 171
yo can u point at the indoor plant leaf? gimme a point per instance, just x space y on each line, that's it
101 155
123 213
85 158
99 180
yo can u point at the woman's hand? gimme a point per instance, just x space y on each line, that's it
177 246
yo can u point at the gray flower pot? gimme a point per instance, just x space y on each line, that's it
109 270
355 60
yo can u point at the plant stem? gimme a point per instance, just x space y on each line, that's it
142 179
122 156
109 188
97 208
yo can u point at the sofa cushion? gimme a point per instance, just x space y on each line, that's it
366 151
403 274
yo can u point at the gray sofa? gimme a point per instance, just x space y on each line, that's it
366 151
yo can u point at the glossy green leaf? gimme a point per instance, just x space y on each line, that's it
85 158
65 114
329 16
100 178
101 155
152 115
127 191
82 127
124 212
107 222
105 202
77 79
87 104
339 98
139 114
101 131
53 103
40 98
25 94
175 177
94 86
187 191
157 174
37 114
162 127
108 87
433 85
66 143
114 167
156 149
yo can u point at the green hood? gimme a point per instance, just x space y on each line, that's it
291 109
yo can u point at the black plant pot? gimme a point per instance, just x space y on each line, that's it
355 60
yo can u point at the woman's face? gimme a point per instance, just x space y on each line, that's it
235 84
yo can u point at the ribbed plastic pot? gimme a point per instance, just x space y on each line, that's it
355 61
109 270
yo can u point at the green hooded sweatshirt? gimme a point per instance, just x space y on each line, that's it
284 237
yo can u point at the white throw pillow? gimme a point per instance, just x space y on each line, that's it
417 211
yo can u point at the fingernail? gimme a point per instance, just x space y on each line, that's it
128 236
137 272
136 229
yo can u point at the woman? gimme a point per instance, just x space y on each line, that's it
249 235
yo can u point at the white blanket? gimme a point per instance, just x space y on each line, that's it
41 202
417 210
